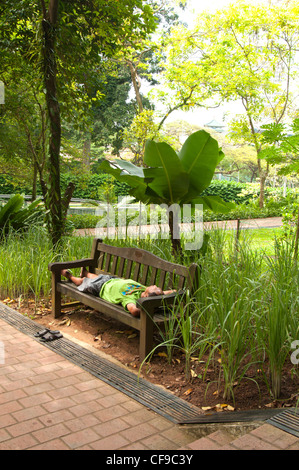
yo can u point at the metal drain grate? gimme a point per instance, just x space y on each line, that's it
287 421
150 395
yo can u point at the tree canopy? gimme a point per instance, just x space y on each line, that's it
245 52
63 45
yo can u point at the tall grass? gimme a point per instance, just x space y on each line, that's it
246 309
245 313
24 260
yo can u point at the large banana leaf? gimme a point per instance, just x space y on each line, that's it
199 157
13 215
214 203
170 177
166 175
128 173
13 205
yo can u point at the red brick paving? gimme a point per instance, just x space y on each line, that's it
48 403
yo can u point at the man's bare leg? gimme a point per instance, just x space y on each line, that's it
76 280
85 273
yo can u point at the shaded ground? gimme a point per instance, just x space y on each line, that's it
116 340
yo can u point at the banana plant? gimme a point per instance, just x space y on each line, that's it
14 215
173 178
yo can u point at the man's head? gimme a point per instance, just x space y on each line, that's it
151 291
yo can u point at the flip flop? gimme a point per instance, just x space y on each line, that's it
45 331
51 337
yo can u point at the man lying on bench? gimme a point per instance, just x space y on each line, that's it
114 289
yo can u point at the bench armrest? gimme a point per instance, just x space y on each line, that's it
151 303
58 266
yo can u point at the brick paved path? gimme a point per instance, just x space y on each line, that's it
269 222
46 402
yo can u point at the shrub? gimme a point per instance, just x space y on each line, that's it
13 214
229 191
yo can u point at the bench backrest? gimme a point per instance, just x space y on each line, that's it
144 267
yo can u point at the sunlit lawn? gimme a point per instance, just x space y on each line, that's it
262 239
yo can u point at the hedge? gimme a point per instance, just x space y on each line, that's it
86 186
229 191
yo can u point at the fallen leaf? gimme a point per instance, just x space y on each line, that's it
65 321
119 332
230 408
132 336
206 408
188 392
219 407
162 354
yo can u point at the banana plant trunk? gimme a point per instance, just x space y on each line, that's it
177 250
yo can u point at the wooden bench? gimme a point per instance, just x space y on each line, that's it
129 263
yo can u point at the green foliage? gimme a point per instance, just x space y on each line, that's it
12 185
87 186
174 178
282 146
78 221
170 177
16 217
229 191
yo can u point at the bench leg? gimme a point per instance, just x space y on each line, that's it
56 296
146 335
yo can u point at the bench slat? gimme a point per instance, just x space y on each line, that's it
153 277
162 279
129 269
136 272
121 266
114 265
107 262
143 279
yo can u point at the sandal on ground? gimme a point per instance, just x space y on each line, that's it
51 337
41 333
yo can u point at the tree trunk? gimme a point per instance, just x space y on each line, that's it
34 182
262 191
53 199
54 195
296 238
136 85
86 153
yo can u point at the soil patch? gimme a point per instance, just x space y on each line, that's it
202 390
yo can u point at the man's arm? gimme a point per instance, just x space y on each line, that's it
135 311
166 292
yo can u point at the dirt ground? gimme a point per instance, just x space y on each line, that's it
116 340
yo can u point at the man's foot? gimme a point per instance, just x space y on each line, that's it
84 272
66 273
